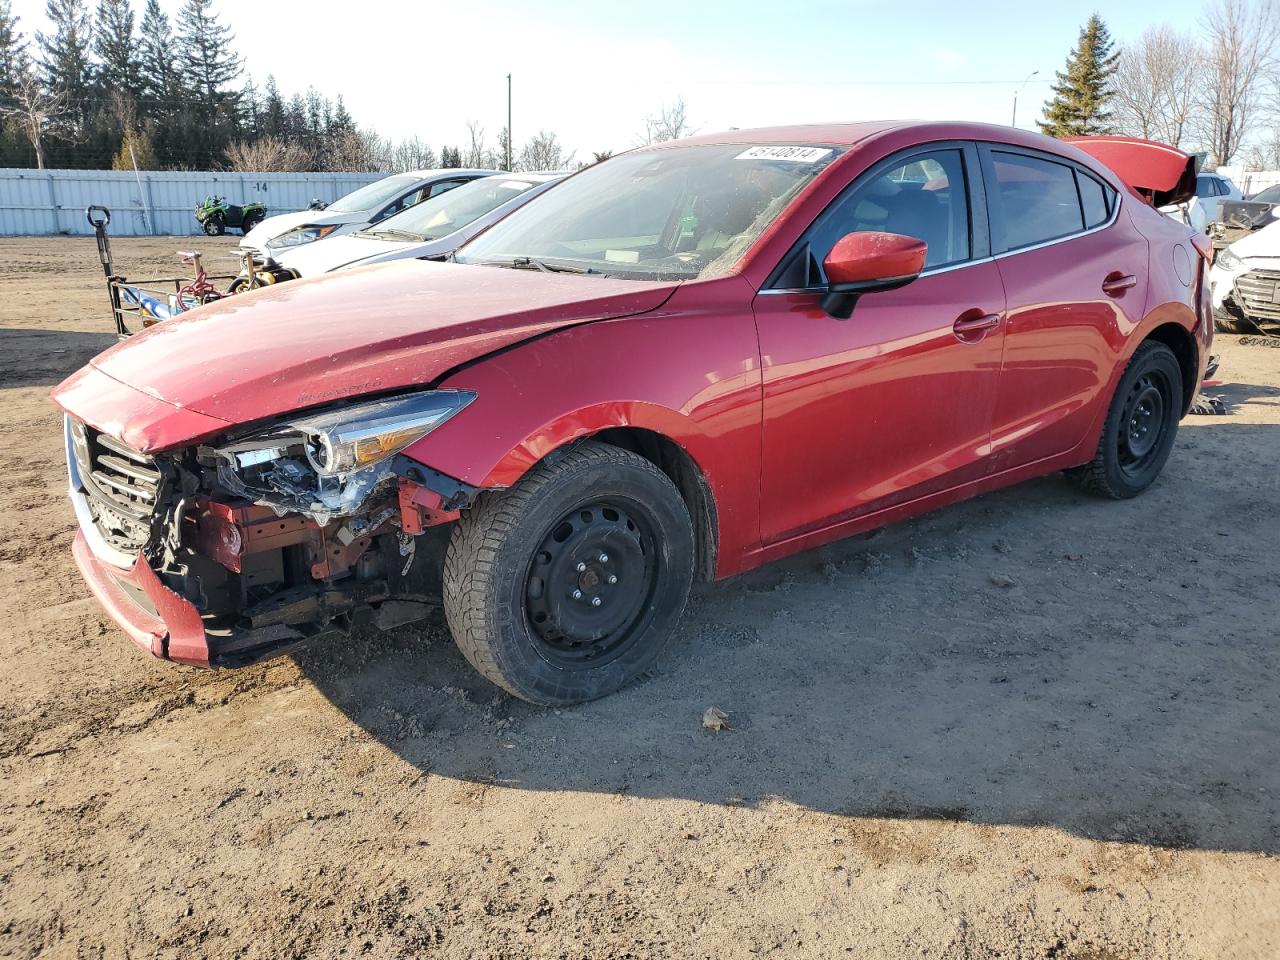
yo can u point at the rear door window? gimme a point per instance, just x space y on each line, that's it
1095 199
1033 200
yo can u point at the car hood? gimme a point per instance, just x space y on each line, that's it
300 344
334 252
1260 243
272 227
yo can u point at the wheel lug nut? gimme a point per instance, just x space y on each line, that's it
595 601
582 567
612 579
604 558
577 594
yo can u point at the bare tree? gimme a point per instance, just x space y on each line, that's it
544 152
477 154
411 154
1155 85
41 112
671 123
268 155
1240 42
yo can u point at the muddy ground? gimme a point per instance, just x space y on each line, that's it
921 762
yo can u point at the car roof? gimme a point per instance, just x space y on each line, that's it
851 133
441 172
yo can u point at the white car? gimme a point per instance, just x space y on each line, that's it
1245 281
433 228
1206 206
1211 189
368 205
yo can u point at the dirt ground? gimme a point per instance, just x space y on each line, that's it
922 762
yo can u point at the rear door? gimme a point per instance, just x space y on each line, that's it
895 402
1075 274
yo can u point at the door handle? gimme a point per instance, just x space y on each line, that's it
1117 283
970 328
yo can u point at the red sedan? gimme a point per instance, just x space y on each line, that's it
680 363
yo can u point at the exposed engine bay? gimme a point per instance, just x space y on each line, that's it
313 524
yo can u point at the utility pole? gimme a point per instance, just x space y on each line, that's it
508 123
1014 121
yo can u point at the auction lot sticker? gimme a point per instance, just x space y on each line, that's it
790 154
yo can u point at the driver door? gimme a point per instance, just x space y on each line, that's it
896 402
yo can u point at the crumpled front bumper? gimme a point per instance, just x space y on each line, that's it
155 618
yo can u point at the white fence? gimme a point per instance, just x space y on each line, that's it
42 202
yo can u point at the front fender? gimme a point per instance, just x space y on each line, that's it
690 373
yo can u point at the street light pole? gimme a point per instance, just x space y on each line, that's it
1013 122
508 123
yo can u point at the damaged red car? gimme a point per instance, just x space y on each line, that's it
679 364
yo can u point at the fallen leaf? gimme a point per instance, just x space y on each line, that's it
715 719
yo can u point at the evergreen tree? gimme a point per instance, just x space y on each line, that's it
158 74
13 52
117 51
450 157
272 113
205 45
64 59
1080 97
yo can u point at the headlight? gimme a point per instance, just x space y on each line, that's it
328 464
1228 260
357 437
304 234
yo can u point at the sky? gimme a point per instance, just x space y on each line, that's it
593 70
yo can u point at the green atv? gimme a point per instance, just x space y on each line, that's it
215 215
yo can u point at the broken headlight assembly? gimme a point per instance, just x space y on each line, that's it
328 464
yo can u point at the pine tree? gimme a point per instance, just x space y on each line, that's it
1080 97
205 44
450 157
272 113
117 51
158 74
13 52
64 60
209 66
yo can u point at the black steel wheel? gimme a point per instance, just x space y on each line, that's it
1140 427
568 585
590 584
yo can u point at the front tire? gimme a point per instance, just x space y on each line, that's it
214 225
568 586
1140 427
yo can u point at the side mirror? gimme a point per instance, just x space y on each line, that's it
868 262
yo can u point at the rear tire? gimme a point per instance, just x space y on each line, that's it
568 586
251 221
1140 427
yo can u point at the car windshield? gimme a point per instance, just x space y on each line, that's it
668 213
442 215
373 195
1269 195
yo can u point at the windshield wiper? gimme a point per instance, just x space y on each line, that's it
392 234
532 263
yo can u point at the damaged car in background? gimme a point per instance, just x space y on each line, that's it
681 363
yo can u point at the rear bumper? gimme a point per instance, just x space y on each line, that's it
155 618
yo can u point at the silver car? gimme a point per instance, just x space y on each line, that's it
361 208
433 228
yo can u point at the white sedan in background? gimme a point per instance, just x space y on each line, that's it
1245 281
368 205
433 228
